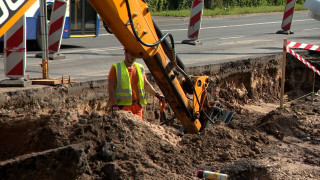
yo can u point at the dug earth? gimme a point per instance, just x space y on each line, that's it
68 132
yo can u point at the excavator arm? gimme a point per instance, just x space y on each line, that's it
131 22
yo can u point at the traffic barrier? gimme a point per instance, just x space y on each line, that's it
56 25
15 50
303 60
287 45
195 22
287 18
302 46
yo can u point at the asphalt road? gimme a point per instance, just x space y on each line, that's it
225 38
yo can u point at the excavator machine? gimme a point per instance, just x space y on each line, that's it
131 22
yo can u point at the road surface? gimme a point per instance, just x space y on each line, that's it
225 38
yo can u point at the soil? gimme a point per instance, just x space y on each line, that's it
68 132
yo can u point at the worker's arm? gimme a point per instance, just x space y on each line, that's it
148 87
112 83
112 93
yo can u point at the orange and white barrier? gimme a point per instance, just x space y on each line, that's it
302 46
287 17
56 25
15 50
195 19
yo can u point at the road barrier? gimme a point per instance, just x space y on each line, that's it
287 17
15 50
56 25
287 45
303 46
195 22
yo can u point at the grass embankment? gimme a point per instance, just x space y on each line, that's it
228 11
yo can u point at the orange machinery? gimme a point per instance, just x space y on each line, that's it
131 23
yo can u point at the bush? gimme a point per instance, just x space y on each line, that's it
162 5
158 5
247 3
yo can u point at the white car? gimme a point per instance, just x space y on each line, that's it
314 8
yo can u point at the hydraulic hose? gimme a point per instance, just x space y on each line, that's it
165 45
137 36
156 44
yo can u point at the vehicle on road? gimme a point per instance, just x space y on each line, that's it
81 21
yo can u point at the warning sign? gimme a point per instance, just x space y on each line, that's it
11 11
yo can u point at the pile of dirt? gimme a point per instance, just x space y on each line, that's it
282 144
261 142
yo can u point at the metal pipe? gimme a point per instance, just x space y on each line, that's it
44 36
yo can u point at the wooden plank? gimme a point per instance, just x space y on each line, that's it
51 82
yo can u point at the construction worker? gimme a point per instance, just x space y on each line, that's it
128 84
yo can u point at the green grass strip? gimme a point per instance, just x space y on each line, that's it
228 11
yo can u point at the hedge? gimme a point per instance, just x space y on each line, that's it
161 5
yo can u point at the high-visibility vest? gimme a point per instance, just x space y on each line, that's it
123 88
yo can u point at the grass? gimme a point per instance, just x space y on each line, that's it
228 11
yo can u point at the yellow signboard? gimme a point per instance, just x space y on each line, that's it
11 11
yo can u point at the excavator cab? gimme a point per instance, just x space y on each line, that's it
131 22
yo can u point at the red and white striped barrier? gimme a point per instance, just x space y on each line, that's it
303 46
287 17
195 19
287 47
303 60
56 25
15 50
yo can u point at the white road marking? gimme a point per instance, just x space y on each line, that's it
229 26
311 29
238 25
95 49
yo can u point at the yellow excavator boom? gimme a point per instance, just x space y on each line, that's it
130 21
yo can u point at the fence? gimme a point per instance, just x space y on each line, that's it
287 45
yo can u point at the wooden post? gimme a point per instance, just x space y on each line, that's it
283 71
314 80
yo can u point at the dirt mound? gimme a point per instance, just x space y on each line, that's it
123 145
70 134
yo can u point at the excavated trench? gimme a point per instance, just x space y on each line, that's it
68 132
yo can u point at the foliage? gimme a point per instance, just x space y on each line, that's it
227 11
164 5
161 5
249 3
157 5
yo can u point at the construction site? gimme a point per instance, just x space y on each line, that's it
252 118
68 131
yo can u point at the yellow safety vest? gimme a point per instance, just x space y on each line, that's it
123 88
